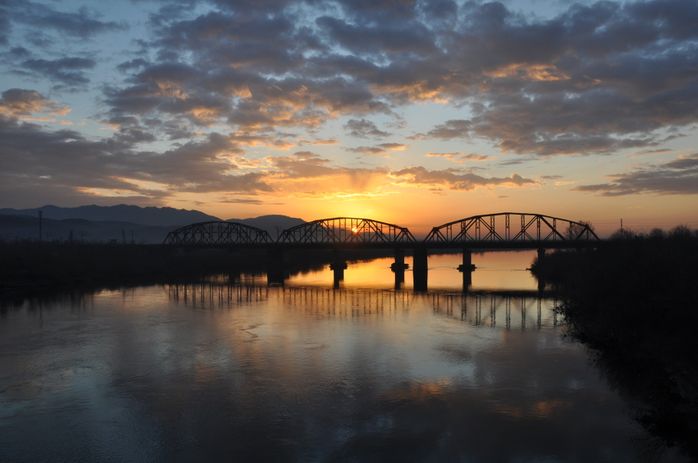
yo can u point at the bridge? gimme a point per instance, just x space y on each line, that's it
503 231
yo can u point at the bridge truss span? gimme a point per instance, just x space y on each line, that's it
346 231
514 228
217 233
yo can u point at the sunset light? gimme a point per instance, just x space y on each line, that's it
348 230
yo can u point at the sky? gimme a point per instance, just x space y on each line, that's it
413 112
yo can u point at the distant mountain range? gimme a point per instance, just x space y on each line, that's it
274 224
116 223
158 216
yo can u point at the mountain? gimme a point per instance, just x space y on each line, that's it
126 223
273 224
152 216
23 227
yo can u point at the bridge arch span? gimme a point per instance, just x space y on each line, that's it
512 227
346 230
218 233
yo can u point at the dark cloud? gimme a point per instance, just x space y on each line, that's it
249 201
132 64
457 128
382 148
594 79
456 179
4 26
459 157
17 102
401 38
81 24
363 128
679 176
67 161
67 72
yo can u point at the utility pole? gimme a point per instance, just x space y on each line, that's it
621 224
41 224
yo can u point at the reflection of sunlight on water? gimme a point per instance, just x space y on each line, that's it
495 270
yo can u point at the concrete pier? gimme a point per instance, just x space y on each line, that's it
338 266
420 268
276 269
467 268
398 268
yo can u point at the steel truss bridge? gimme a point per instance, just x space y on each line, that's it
218 234
504 230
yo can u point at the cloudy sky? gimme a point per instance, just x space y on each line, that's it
410 111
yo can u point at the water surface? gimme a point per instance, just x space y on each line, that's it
223 371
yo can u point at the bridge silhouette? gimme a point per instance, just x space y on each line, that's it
498 231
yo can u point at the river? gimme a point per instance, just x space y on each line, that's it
239 371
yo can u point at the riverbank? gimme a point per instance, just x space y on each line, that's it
634 303
31 267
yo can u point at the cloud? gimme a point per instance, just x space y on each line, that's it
388 37
81 24
67 72
4 27
309 174
227 75
459 157
363 128
593 79
679 176
455 179
64 160
382 148
456 128
19 103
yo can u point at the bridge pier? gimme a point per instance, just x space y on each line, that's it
467 268
420 268
276 270
541 281
337 266
398 268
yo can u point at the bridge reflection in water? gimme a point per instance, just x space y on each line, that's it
495 309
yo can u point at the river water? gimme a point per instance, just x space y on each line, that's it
224 371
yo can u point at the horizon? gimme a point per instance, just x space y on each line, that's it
414 113
603 232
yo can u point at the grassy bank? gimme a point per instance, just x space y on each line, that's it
635 303
28 267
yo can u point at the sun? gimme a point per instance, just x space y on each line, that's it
354 230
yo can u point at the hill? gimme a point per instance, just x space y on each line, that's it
153 216
135 225
22 227
273 224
